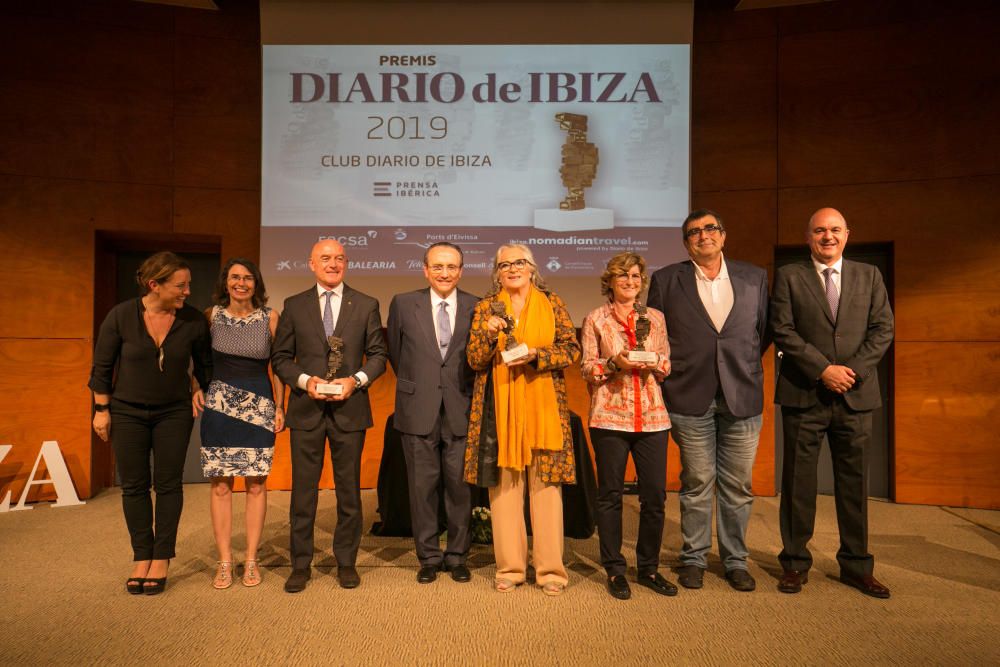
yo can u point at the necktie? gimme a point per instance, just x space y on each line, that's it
328 314
444 328
832 296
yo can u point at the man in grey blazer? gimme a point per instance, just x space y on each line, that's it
428 330
300 358
716 314
832 323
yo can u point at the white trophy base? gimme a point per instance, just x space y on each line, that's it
558 220
642 357
328 389
514 353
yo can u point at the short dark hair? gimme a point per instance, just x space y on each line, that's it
445 244
698 214
158 268
221 294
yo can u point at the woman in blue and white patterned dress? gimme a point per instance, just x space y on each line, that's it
243 411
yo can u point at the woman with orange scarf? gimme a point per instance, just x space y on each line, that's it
519 429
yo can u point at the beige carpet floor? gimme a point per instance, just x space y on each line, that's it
63 601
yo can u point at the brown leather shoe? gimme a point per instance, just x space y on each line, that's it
792 580
867 584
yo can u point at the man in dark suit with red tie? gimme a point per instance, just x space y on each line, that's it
300 357
832 323
428 330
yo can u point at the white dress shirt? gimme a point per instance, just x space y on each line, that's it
837 267
716 294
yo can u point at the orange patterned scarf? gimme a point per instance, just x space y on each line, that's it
526 406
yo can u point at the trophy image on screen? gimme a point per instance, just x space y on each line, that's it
578 170
513 350
334 359
639 354
579 160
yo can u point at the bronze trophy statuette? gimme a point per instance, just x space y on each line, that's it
513 350
579 160
334 359
639 355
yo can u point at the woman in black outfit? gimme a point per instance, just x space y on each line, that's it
145 405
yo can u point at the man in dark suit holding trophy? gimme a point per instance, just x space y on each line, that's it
328 348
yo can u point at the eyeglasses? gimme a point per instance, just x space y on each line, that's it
708 229
626 277
441 268
516 264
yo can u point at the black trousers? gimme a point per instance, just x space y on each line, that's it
164 431
649 451
848 433
308 447
432 459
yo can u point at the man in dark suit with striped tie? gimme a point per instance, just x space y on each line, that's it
300 356
428 330
832 322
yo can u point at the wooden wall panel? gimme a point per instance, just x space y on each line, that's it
232 214
42 402
896 102
217 113
48 227
854 14
733 115
947 407
945 248
91 103
715 21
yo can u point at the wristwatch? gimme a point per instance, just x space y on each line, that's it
102 407
612 366
357 381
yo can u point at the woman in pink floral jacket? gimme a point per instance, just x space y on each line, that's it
627 415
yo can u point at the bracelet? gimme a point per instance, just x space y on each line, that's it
612 366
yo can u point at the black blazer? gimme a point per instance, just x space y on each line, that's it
423 379
300 346
809 339
702 358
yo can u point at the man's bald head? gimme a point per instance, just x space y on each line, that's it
826 235
328 262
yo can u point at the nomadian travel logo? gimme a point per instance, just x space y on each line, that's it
412 189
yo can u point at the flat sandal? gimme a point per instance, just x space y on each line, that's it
504 585
223 575
251 573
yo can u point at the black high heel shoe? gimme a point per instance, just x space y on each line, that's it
135 585
155 585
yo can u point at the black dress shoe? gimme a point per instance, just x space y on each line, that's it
690 576
460 573
348 576
656 582
740 580
427 574
791 581
297 580
867 584
618 587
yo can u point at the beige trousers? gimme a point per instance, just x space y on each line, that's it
510 536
